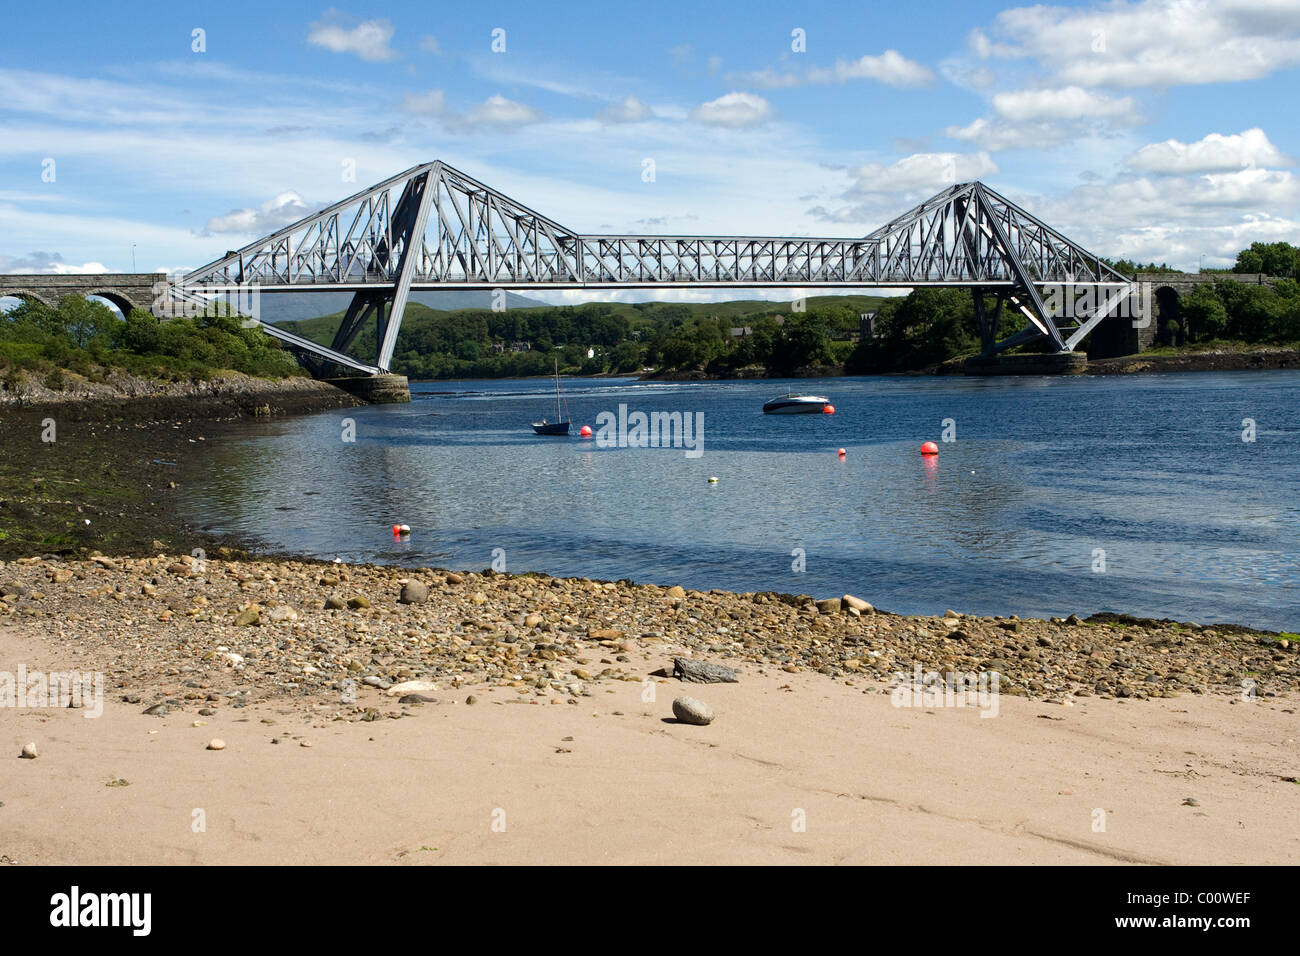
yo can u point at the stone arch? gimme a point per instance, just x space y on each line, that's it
25 295
1169 324
123 304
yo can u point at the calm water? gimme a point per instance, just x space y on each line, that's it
1194 523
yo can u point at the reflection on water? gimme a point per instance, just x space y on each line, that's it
1194 523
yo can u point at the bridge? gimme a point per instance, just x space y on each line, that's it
433 227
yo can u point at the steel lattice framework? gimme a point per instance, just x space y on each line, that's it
433 227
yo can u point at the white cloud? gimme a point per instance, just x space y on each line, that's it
629 110
432 103
890 68
429 44
1215 153
996 135
47 263
1157 43
1070 103
368 40
496 112
735 110
283 209
921 173
1177 219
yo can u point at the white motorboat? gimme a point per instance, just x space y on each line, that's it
793 404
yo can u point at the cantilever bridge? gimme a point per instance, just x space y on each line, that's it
433 227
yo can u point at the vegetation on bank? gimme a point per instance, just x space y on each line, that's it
88 338
927 327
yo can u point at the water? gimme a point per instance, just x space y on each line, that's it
1012 518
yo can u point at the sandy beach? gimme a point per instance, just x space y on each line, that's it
569 752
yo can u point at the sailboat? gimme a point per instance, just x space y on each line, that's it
561 425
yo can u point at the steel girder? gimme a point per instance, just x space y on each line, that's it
433 227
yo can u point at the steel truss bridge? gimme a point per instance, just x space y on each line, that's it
434 228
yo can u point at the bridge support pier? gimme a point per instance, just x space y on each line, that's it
1028 363
376 389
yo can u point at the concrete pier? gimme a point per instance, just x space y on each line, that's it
1046 363
376 389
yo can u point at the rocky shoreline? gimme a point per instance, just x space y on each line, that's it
96 472
123 396
205 633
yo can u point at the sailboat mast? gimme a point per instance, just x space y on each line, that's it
558 416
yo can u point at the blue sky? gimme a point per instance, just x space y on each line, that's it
1154 130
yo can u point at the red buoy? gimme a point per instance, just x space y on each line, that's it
929 448
397 529
828 409
585 431
840 453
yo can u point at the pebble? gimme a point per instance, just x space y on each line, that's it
691 711
414 592
29 752
216 743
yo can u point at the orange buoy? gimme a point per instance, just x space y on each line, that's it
840 453
828 409
585 431
929 448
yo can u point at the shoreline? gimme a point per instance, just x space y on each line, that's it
534 718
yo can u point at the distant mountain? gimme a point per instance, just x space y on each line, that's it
281 307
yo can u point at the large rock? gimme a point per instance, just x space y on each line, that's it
856 603
702 672
829 606
414 592
248 617
691 711
410 687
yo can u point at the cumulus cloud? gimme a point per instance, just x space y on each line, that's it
1178 219
1156 43
921 173
1214 153
496 112
1070 103
890 68
629 110
46 263
996 135
736 110
273 214
368 40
